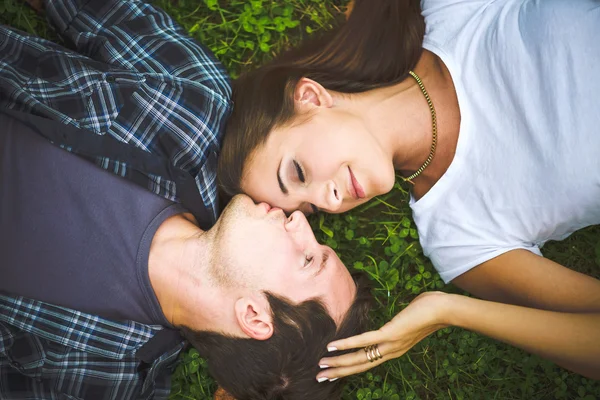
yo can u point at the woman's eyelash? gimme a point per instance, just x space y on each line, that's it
299 171
302 179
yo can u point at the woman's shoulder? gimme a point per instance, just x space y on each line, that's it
428 4
445 19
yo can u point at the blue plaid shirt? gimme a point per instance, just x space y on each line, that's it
135 77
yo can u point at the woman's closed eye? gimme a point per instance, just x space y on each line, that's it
302 178
299 172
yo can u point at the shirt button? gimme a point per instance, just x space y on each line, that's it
17 365
110 79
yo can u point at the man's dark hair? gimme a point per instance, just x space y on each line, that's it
284 366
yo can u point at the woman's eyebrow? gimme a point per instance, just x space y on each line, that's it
280 181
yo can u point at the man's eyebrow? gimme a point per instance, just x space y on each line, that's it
281 185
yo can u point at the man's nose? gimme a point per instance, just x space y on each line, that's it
298 227
332 197
296 221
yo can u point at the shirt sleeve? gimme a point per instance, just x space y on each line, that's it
96 356
136 36
451 262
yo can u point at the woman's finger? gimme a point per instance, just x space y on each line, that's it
340 372
356 357
362 340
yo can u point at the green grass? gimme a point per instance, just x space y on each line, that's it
379 238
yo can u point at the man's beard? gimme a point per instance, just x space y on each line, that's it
223 269
221 274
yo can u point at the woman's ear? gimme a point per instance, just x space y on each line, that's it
311 94
254 317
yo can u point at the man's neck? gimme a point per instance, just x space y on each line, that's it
178 265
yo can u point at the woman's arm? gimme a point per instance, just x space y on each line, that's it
570 339
523 278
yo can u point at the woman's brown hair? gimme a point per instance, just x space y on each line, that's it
376 47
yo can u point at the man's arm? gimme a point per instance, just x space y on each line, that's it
136 36
522 278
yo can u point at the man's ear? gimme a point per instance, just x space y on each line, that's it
309 94
253 315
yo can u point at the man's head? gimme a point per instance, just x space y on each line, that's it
259 249
291 297
285 365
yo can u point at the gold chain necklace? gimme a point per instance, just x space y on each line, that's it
434 130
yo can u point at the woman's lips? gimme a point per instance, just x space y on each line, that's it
356 190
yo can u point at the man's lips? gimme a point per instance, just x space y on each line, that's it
355 188
268 208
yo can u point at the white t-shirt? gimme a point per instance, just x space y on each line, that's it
527 163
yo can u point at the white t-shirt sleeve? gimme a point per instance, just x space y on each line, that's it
463 229
526 168
453 258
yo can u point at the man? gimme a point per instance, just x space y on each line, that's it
148 105
79 237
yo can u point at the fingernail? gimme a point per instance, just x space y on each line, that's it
333 379
331 348
323 379
323 366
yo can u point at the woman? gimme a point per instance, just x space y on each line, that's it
489 108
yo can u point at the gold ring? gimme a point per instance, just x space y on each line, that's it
379 356
367 351
372 353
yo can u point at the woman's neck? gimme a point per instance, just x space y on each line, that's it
401 119
442 92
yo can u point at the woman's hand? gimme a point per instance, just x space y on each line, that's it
568 338
423 316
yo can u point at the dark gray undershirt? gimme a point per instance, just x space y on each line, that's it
73 234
